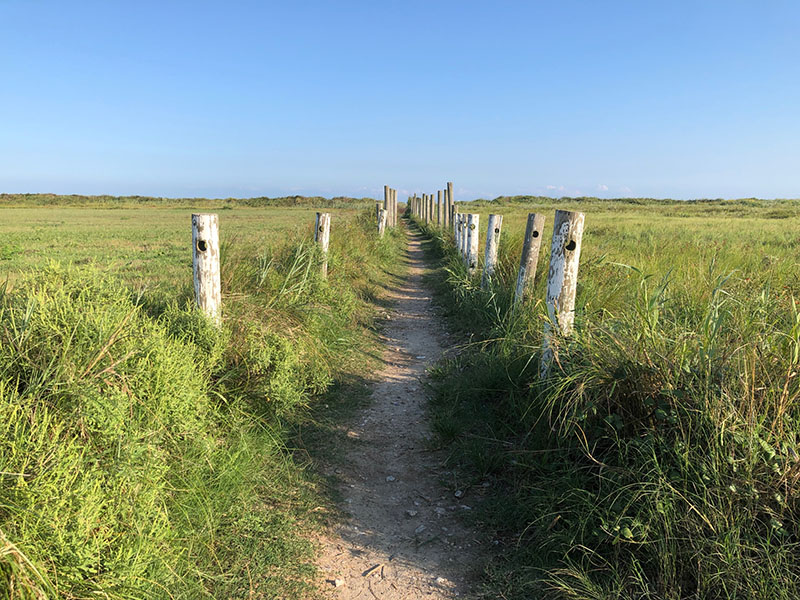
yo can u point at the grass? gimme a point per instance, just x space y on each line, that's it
145 453
660 459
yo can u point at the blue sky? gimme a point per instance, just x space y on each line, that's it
678 99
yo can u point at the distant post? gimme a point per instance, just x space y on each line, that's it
530 256
492 242
387 203
562 282
381 222
439 208
322 236
205 265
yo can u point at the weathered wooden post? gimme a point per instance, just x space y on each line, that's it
492 242
439 208
562 282
394 206
387 204
448 209
205 265
432 208
381 222
462 235
530 256
322 236
473 235
378 211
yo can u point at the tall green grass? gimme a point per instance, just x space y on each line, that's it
143 452
660 459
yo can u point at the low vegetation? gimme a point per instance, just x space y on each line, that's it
660 459
143 452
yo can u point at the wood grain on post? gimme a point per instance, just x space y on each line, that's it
530 257
562 282
473 235
381 222
387 203
322 236
492 243
462 238
205 265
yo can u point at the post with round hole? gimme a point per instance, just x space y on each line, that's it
562 283
492 243
530 257
205 265
381 222
473 235
439 208
322 236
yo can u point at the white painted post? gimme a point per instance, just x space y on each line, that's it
530 257
562 282
473 235
492 242
205 265
439 208
322 236
381 221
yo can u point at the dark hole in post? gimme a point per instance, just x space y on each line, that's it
320 227
497 230
571 245
535 234
202 246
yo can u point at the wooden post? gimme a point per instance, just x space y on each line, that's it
562 282
439 208
492 242
387 203
463 236
394 206
378 211
530 257
322 236
205 265
473 235
447 209
381 222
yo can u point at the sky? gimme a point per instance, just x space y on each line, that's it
679 99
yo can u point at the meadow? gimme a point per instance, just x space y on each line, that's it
659 459
145 453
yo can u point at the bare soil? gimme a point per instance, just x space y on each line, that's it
404 537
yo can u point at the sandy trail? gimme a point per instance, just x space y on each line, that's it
404 537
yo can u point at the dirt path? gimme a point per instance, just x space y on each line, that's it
404 538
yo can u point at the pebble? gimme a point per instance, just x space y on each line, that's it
338 582
419 529
390 478
411 513
459 493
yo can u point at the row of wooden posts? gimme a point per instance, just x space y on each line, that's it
206 263
565 249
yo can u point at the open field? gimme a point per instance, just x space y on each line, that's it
146 453
660 458
144 245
